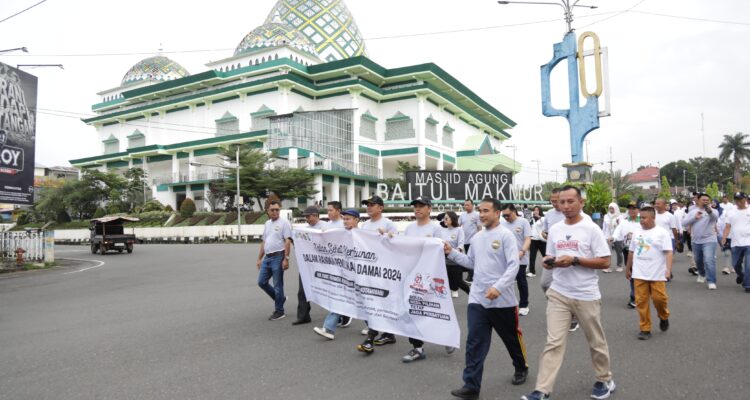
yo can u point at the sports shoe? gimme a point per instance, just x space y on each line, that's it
324 332
693 271
619 269
727 271
574 325
384 339
602 390
644 335
449 349
747 290
469 279
302 321
664 325
364 331
519 377
366 347
277 315
344 321
606 271
454 294
740 277
701 279
530 274
711 286
414 355
465 393
631 304
524 311
535 395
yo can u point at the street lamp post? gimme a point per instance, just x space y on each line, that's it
538 178
565 4
237 197
513 176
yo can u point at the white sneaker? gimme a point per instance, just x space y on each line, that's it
727 270
523 311
364 331
454 294
606 271
324 332
711 286
531 275
701 279
619 269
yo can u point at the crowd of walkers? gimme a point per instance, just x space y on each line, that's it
496 245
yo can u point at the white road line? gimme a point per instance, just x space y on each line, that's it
99 264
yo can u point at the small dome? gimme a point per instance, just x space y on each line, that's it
274 34
154 69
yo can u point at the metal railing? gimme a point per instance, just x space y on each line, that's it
31 242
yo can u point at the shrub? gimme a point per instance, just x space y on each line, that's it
100 212
152 205
231 219
23 218
168 208
187 208
213 218
178 220
194 220
113 209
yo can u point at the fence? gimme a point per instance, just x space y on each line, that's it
33 243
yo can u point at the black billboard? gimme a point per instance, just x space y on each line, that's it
17 135
461 185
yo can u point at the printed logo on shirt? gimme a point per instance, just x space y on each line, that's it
453 236
644 244
567 244
518 229
495 244
276 228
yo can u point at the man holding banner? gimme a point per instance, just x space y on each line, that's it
493 255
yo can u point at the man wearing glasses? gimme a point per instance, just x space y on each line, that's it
273 258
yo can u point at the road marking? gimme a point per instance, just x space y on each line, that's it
99 264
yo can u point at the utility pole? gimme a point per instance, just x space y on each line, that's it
513 176
631 163
538 178
611 173
658 163
703 136
238 196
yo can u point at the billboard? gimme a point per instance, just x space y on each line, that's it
461 185
17 135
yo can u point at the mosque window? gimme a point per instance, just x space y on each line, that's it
111 145
368 165
448 136
399 126
430 131
259 119
228 124
136 139
367 126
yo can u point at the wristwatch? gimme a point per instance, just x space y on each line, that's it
575 261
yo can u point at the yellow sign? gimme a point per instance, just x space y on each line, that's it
597 64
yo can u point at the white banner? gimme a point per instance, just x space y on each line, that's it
397 285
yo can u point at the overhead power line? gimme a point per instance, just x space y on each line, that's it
22 11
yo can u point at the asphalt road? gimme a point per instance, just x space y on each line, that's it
189 322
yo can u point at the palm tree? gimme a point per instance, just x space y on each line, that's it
736 148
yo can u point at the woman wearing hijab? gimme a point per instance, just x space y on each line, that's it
611 220
454 235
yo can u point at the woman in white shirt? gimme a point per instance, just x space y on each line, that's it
538 243
454 235
611 220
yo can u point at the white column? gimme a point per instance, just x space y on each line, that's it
365 191
380 167
351 200
420 128
335 190
356 119
284 106
440 163
311 161
175 168
191 167
293 157
318 185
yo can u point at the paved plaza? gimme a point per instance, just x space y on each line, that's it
189 322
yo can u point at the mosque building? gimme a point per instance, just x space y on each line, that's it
300 85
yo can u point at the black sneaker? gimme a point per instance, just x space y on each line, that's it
693 271
535 395
631 304
302 321
384 339
664 324
344 321
519 377
574 325
366 347
747 290
644 335
740 277
465 393
277 315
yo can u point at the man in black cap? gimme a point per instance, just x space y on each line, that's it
738 228
312 216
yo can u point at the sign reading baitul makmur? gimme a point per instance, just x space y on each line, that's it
17 135
397 284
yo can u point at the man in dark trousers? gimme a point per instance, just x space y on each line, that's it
493 255
312 216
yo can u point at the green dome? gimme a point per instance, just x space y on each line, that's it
156 69
327 24
274 34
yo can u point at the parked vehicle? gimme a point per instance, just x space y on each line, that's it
108 233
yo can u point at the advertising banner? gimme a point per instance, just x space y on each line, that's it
17 135
461 185
397 285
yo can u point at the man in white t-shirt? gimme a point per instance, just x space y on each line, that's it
273 258
650 266
667 220
738 227
576 249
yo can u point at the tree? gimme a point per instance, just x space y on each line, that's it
100 212
666 191
737 149
679 170
135 188
598 197
713 190
711 169
187 208
252 172
289 183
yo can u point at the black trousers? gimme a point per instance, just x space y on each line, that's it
303 306
481 323
456 276
523 287
536 245
686 239
470 271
